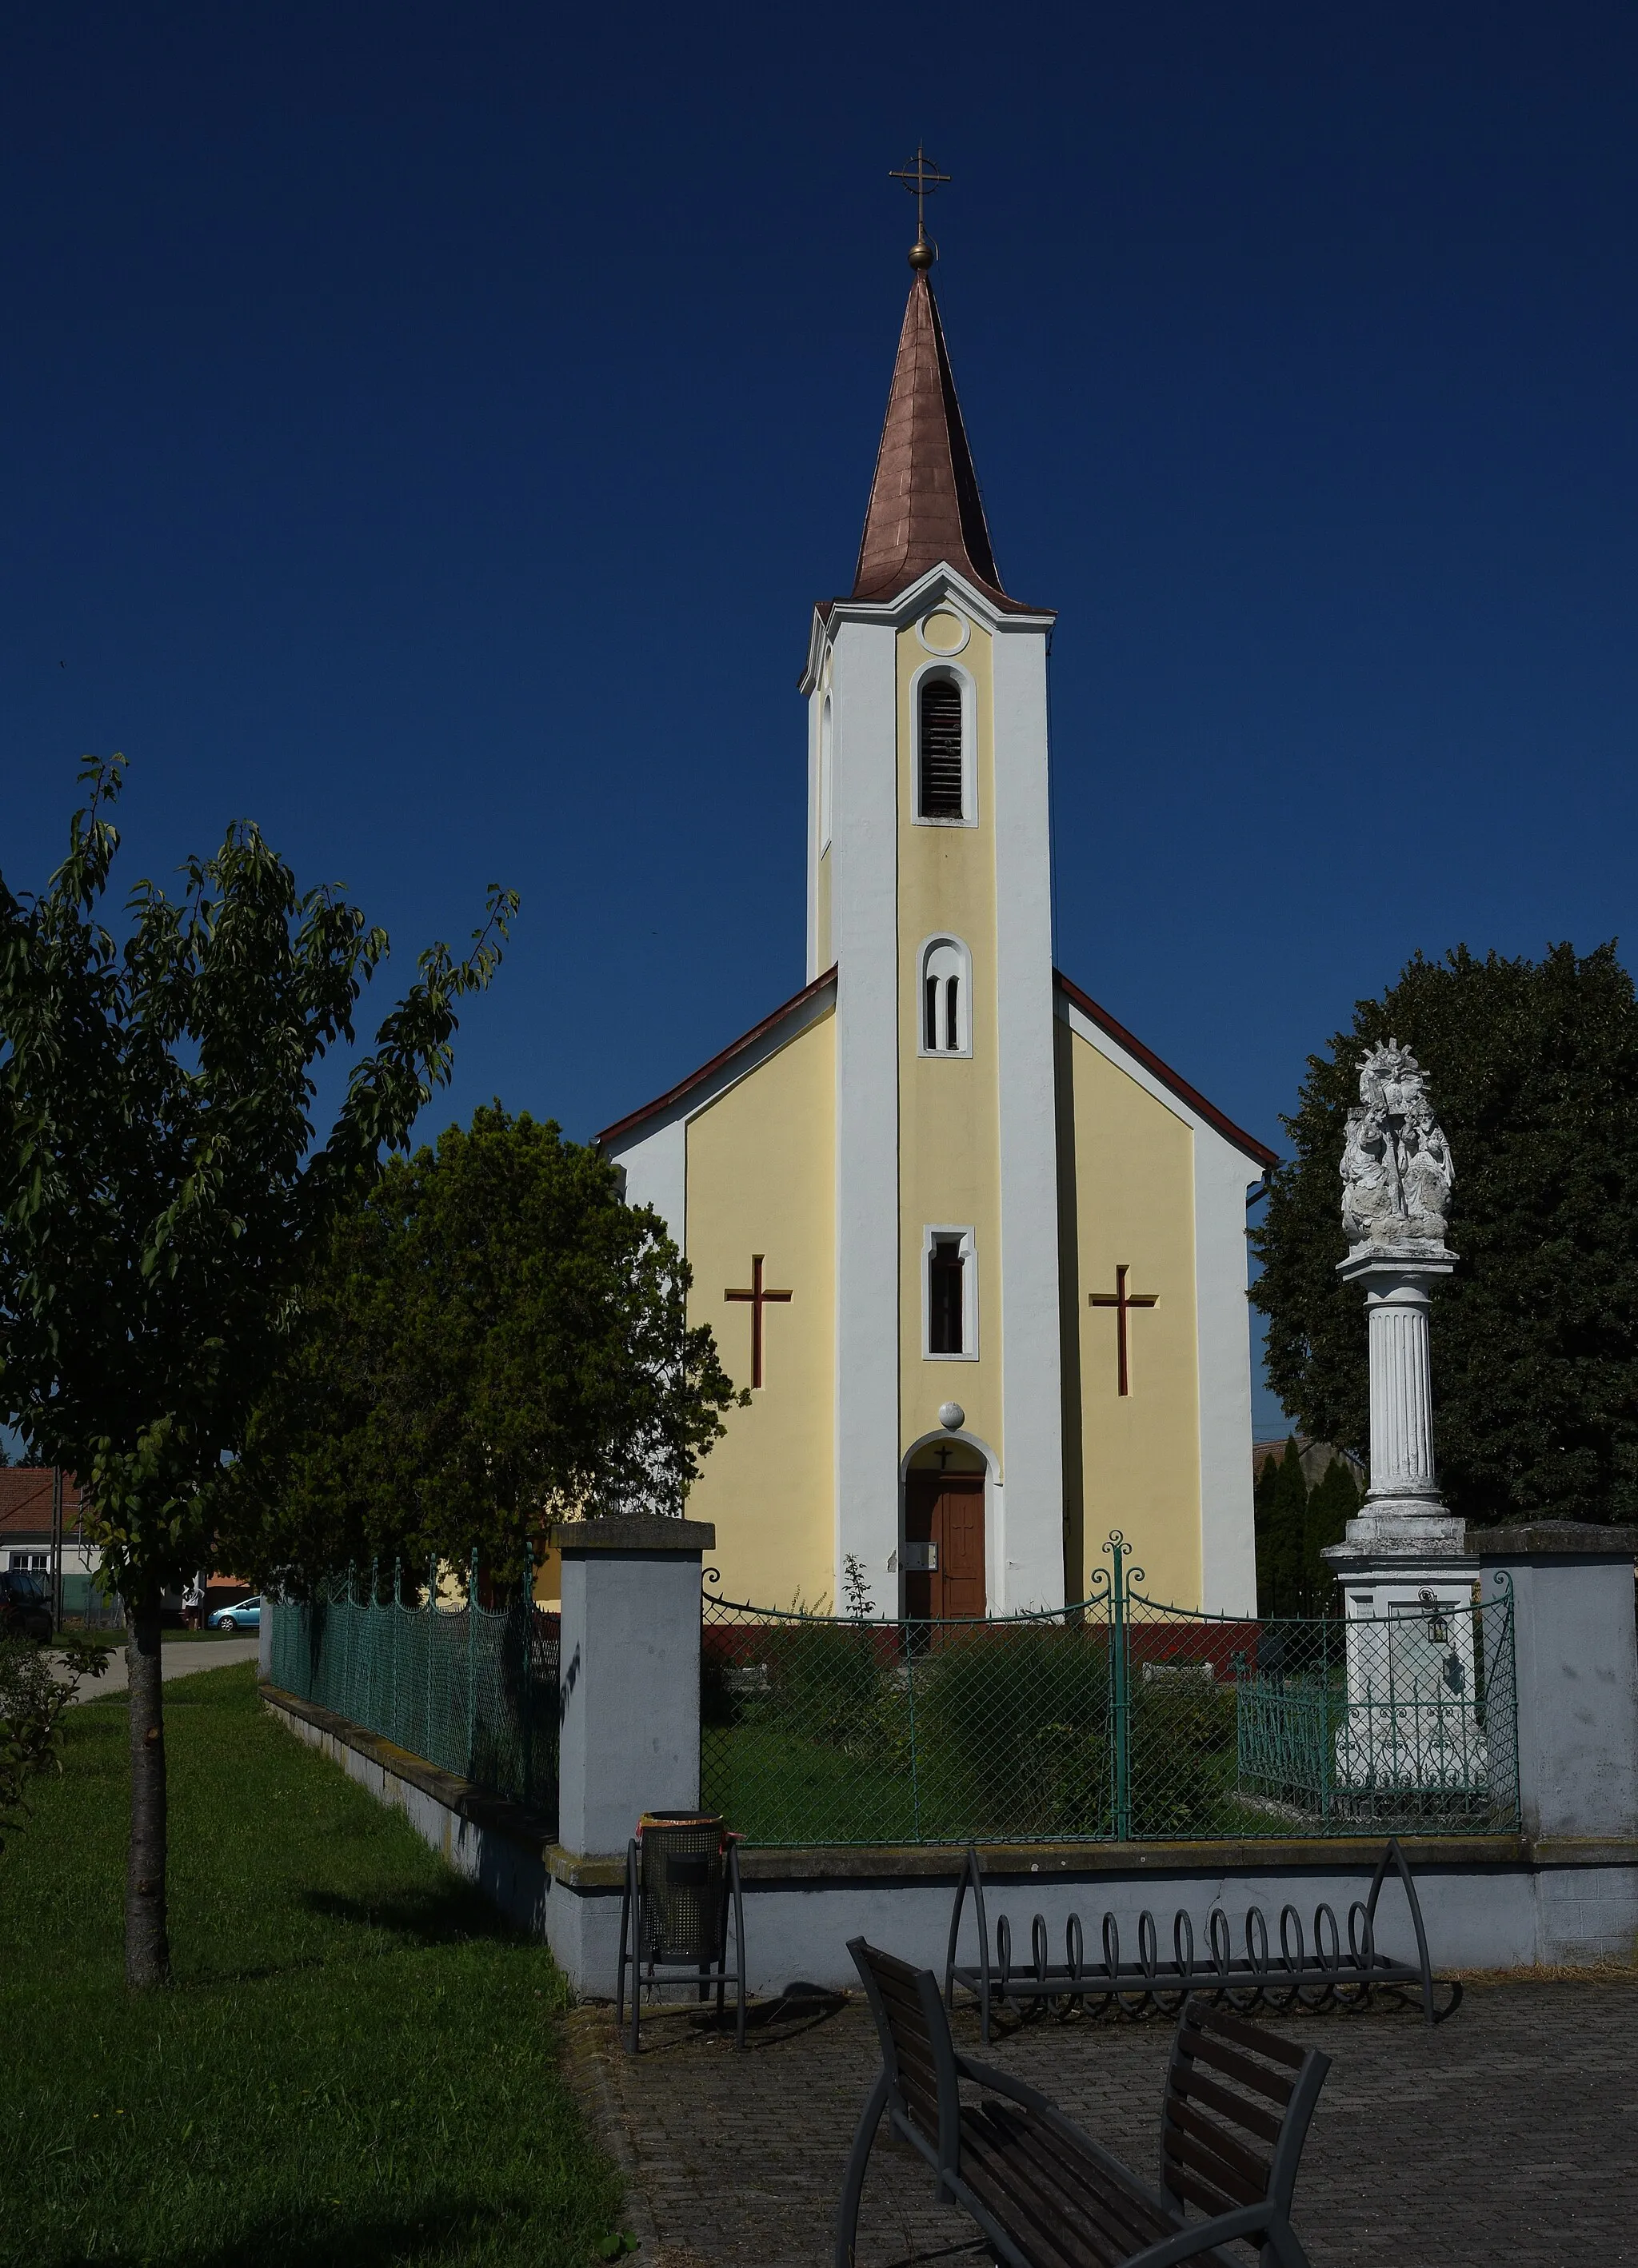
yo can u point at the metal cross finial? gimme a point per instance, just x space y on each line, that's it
921 179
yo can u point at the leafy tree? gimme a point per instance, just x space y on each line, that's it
1533 1067
493 1340
161 1192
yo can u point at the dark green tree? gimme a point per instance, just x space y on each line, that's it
494 1340
162 1192
1333 1502
1533 1067
1280 1511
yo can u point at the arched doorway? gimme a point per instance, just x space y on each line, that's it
942 1554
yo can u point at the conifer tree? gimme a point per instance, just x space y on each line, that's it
1279 1512
1333 1502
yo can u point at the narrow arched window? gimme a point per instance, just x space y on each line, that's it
947 1302
939 753
827 771
946 999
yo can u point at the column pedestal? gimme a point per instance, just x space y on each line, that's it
1406 1573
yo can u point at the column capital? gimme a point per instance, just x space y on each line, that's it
1385 1271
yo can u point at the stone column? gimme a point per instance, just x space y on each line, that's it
1403 1510
628 1703
1405 1573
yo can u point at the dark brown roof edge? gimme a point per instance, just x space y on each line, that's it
737 1047
1167 1076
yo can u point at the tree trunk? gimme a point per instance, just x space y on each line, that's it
147 1944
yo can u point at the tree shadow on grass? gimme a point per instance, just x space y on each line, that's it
451 1915
328 2234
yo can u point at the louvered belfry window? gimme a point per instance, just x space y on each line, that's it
940 749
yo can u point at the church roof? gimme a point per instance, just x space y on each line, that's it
925 504
1172 1080
813 995
720 1064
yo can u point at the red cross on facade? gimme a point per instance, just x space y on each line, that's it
1121 1300
758 1296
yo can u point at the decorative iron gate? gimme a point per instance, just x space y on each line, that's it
1118 1718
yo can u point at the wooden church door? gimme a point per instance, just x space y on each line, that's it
944 1545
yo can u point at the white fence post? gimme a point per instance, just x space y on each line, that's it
628 1698
1575 1663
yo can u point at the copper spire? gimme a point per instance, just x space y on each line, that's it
925 504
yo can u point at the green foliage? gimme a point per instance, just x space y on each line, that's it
160 1189
1185 1754
1533 1066
1333 1502
493 1339
1293 1524
359 2065
32 1700
1022 1716
1280 1510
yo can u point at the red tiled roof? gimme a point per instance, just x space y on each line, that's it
1179 1085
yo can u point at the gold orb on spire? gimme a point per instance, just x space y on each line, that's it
921 177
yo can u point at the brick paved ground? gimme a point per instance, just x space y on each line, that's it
1509 2133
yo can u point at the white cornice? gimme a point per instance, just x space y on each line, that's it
939 582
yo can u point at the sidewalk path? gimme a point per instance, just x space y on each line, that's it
178 1658
1510 2133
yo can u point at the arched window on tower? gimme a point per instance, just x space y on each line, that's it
827 771
938 766
946 997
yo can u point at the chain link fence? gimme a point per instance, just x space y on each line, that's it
1118 1718
470 1688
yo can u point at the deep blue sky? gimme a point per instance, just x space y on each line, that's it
425 430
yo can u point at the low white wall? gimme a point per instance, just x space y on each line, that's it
1482 1913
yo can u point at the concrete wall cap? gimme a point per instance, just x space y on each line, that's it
1553 1539
637 1531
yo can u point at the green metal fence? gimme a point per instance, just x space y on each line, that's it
1118 1718
470 1688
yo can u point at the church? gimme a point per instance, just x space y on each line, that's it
979 1254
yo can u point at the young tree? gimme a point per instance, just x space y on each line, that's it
1533 1067
161 1192
33 1698
494 1340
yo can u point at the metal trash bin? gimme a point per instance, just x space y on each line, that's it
681 1892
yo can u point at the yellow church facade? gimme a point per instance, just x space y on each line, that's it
977 1254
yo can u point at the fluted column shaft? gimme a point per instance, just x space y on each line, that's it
1401 1399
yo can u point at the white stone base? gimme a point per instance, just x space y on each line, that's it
1412 1678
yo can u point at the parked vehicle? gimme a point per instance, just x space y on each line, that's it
246 1616
24 1606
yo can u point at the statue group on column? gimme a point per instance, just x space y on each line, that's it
1397 1172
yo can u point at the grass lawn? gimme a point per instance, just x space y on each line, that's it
359 2062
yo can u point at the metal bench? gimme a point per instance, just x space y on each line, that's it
1139 1979
1044 2194
681 1894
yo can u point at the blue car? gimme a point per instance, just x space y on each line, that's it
246 1616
